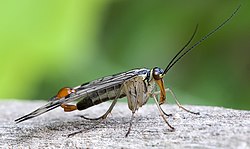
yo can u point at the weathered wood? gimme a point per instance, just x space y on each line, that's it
214 128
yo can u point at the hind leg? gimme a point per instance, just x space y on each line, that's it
104 116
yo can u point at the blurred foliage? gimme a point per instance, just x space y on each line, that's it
46 45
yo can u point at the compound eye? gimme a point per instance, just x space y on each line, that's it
66 91
157 73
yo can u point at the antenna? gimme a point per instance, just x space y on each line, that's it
175 59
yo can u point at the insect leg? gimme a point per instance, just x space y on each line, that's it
130 123
104 115
179 105
157 93
101 117
161 111
130 89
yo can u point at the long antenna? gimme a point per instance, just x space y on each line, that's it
169 64
174 60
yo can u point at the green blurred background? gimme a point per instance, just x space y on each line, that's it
46 45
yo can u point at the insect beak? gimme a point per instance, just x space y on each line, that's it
162 90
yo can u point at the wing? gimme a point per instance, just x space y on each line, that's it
51 105
108 81
84 89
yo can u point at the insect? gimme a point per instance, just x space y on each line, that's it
138 85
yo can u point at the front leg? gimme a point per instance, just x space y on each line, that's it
176 101
179 105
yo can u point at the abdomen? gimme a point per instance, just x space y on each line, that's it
99 96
